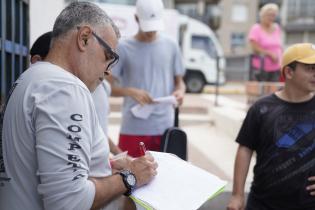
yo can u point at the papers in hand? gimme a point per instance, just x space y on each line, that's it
178 185
144 111
121 155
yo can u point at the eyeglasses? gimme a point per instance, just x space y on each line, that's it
114 57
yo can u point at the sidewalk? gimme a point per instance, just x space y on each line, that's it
215 151
230 88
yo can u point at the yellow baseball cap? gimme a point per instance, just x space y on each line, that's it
302 52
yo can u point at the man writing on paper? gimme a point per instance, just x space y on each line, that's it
150 67
55 154
100 95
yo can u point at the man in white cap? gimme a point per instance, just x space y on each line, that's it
280 128
150 66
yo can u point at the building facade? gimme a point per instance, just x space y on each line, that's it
237 18
298 19
203 10
230 19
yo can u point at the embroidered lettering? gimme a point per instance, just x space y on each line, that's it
77 177
76 117
75 139
74 128
74 146
74 158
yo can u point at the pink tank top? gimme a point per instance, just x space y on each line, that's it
269 41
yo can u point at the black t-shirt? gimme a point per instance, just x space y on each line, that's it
283 136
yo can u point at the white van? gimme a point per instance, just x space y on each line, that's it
203 55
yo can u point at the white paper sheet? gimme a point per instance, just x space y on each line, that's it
144 111
179 185
166 100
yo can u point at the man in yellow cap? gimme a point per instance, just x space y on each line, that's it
280 128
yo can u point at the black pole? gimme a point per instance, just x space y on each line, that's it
217 81
176 120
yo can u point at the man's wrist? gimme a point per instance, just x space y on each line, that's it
129 180
130 91
238 194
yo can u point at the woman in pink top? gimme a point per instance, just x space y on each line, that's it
265 40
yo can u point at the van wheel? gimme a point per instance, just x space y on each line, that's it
194 82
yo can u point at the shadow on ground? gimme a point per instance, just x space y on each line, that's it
218 203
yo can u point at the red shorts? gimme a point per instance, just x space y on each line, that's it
130 143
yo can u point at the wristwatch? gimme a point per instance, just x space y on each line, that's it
129 180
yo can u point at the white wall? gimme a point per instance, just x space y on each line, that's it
44 12
42 16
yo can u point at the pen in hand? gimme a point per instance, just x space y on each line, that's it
142 148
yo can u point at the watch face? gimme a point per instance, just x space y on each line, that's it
131 180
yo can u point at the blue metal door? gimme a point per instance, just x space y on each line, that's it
14 42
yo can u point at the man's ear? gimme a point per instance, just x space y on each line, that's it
84 33
35 58
288 72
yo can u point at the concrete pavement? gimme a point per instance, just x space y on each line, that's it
211 129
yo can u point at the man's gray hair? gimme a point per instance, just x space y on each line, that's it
78 13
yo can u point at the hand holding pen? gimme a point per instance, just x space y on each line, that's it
144 167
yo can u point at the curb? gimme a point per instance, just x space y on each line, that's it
228 115
225 91
230 89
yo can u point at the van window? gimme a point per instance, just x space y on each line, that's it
204 43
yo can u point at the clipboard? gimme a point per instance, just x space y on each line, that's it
179 185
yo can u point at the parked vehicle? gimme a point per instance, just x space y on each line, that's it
201 51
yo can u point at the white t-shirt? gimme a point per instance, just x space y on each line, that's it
100 97
52 142
152 67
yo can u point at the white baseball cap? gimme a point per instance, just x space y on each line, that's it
150 15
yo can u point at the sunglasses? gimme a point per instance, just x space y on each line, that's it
114 57
109 52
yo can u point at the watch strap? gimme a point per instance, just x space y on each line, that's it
124 175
